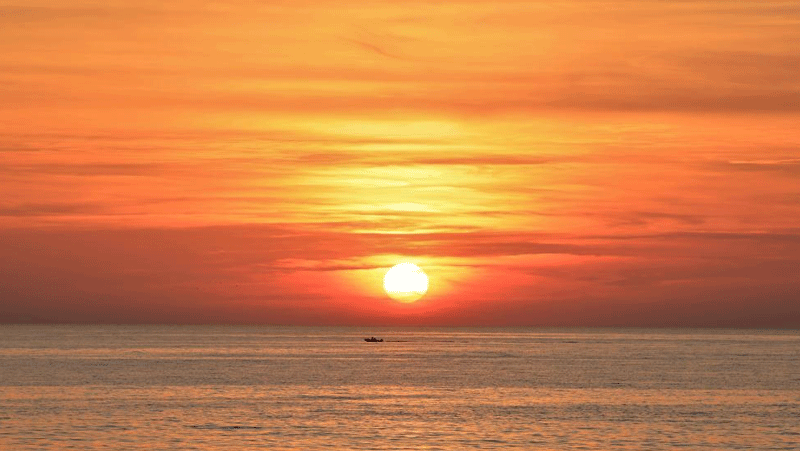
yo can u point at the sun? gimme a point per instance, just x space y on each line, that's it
405 282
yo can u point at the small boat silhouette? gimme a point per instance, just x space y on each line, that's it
373 340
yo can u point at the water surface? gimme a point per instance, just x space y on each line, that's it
248 388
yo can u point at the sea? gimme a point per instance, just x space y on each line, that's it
83 387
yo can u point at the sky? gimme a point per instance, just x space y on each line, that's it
558 163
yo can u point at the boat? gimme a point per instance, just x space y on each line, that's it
373 340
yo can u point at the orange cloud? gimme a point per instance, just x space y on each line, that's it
546 163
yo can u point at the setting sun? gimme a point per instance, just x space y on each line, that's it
405 282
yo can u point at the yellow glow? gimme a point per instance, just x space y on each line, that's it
405 282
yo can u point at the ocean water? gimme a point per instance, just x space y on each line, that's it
270 388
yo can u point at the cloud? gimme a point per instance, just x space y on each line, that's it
121 275
50 209
87 169
493 160
375 48
579 59
790 166
643 218
561 151
53 15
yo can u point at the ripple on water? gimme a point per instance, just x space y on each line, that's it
468 390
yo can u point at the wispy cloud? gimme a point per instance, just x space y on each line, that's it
278 156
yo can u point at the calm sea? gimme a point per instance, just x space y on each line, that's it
268 388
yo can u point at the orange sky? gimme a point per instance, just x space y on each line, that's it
546 163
